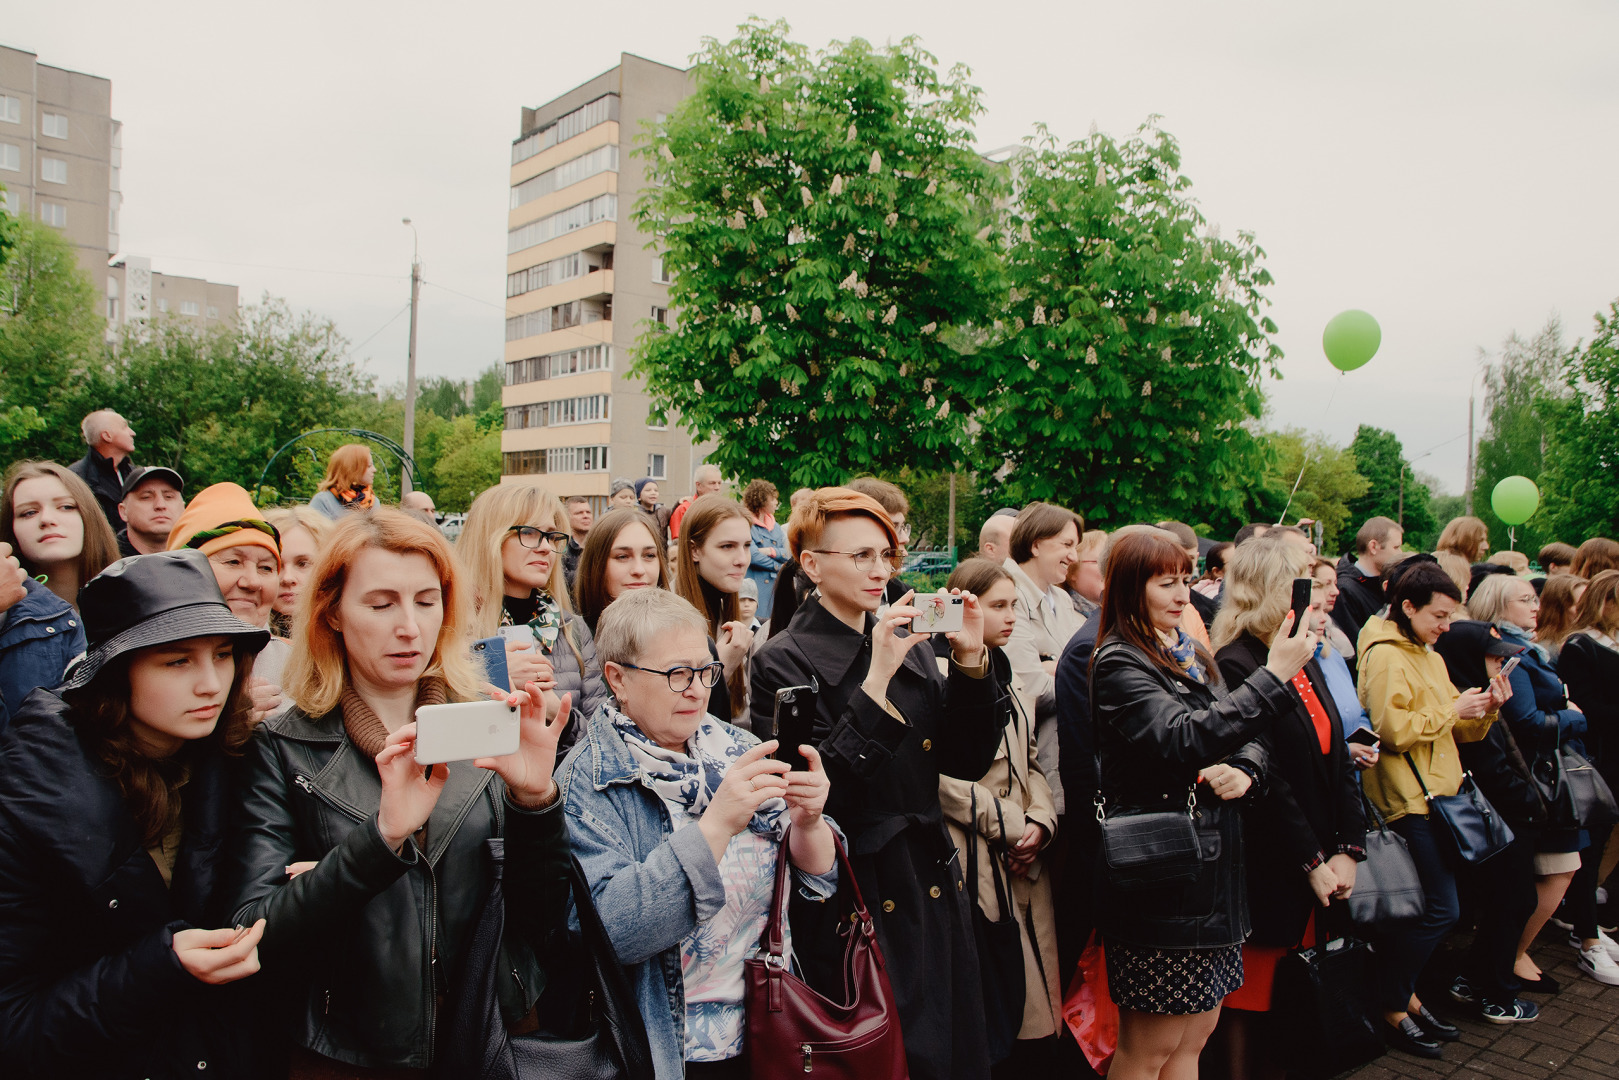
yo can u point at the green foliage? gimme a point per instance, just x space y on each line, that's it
1443 507
1132 341
929 496
450 398
468 462
1523 388
1579 484
8 232
1329 485
1379 458
822 219
52 355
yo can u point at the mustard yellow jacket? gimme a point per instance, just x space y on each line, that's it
1408 694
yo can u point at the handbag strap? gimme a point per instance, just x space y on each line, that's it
773 940
1418 774
1372 812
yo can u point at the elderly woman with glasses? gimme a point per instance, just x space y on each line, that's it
678 819
889 724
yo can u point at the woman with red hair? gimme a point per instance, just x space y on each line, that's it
347 485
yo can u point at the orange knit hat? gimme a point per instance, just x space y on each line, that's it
223 516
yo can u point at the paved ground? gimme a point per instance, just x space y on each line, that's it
1576 1037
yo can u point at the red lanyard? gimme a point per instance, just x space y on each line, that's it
1318 715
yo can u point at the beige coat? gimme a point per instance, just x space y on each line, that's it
1016 781
1042 632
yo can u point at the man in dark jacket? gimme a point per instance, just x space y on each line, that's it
1360 582
106 464
153 500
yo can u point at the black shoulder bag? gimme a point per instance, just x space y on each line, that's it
590 1027
1475 829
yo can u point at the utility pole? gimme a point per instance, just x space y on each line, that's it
1401 517
950 536
410 367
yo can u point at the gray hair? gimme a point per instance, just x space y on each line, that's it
711 472
97 422
638 618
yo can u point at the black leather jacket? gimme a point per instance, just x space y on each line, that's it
1154 732
368 939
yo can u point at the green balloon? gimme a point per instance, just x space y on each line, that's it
1351 339
1514 499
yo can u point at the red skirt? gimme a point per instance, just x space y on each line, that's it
1259 971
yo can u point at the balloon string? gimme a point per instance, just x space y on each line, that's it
1305 463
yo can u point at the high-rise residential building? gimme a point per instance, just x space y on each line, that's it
581 285
61 154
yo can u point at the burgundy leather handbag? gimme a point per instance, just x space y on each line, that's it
793 1031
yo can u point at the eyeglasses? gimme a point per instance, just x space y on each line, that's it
680 677
530 537
863 558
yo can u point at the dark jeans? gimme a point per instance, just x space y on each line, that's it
1501 891
1401 954
1581 903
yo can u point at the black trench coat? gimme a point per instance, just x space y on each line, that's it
885 794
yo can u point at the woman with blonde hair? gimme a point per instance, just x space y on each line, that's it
303 532
369 871
512 544
1589 664
1467 537
347 485
711 564
621 555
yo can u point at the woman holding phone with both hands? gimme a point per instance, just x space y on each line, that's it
887 726
369 935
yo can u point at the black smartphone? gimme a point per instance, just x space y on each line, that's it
795 721
1363 736
1302 588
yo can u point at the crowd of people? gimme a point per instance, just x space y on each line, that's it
218 850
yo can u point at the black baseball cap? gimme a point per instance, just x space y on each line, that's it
139 476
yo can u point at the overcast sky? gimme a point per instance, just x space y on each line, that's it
1449 167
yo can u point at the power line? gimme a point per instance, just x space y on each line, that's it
381 328
498 307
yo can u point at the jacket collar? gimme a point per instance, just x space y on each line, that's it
827 642
37 605
610 761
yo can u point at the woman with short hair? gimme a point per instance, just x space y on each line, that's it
512 544
711 563
620 556
386 860
1170 736
347 483
678 819
115 795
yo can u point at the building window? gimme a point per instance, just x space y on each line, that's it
589 409
601 208
10 109
600 160
53 124
559 364
190 307
566 268
53 214
654 466
660 315
558 459
10 157
213 312
163 304
557 317
577 122
659 272
53 170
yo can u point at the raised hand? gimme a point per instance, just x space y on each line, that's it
265 697
807 791
888 649
967 644
736 638
217 957
12 576
528 770
754 778
525 664
1472 704
1289 654
408 797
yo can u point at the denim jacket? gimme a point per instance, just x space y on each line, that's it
39 636
651 886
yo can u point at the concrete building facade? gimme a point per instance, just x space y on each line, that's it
581 285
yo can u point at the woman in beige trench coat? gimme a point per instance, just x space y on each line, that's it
1017 785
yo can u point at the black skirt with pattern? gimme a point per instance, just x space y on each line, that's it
1173 982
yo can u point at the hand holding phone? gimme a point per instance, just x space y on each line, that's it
941 613
1511 663
1302 588
795 723
466 730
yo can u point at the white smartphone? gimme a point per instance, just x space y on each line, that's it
523 635
466 730
941 613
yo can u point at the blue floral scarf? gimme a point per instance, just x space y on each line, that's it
1183 650
687 781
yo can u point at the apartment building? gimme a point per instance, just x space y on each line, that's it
136 293
581 285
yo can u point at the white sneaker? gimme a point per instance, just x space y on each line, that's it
1602 895
1604 942
1599 965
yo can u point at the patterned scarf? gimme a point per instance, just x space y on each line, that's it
359 498
687 781
1183 651
546 623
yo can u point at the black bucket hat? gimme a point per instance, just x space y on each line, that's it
148 600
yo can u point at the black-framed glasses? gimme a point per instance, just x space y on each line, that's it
530 537
864 557
680 677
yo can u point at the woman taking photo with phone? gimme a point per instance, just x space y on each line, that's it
711 564
370 873
888 726
1170 737
512 545
1419 718
117 946
1304 837
620 556
679 819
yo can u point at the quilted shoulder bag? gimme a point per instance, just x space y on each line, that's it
1387 887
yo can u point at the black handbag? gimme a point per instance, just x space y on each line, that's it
1577 797
1321 1008
1387 886
1000 947
1148 850
590 1027
1475 829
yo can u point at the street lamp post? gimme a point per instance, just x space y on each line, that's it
410 364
